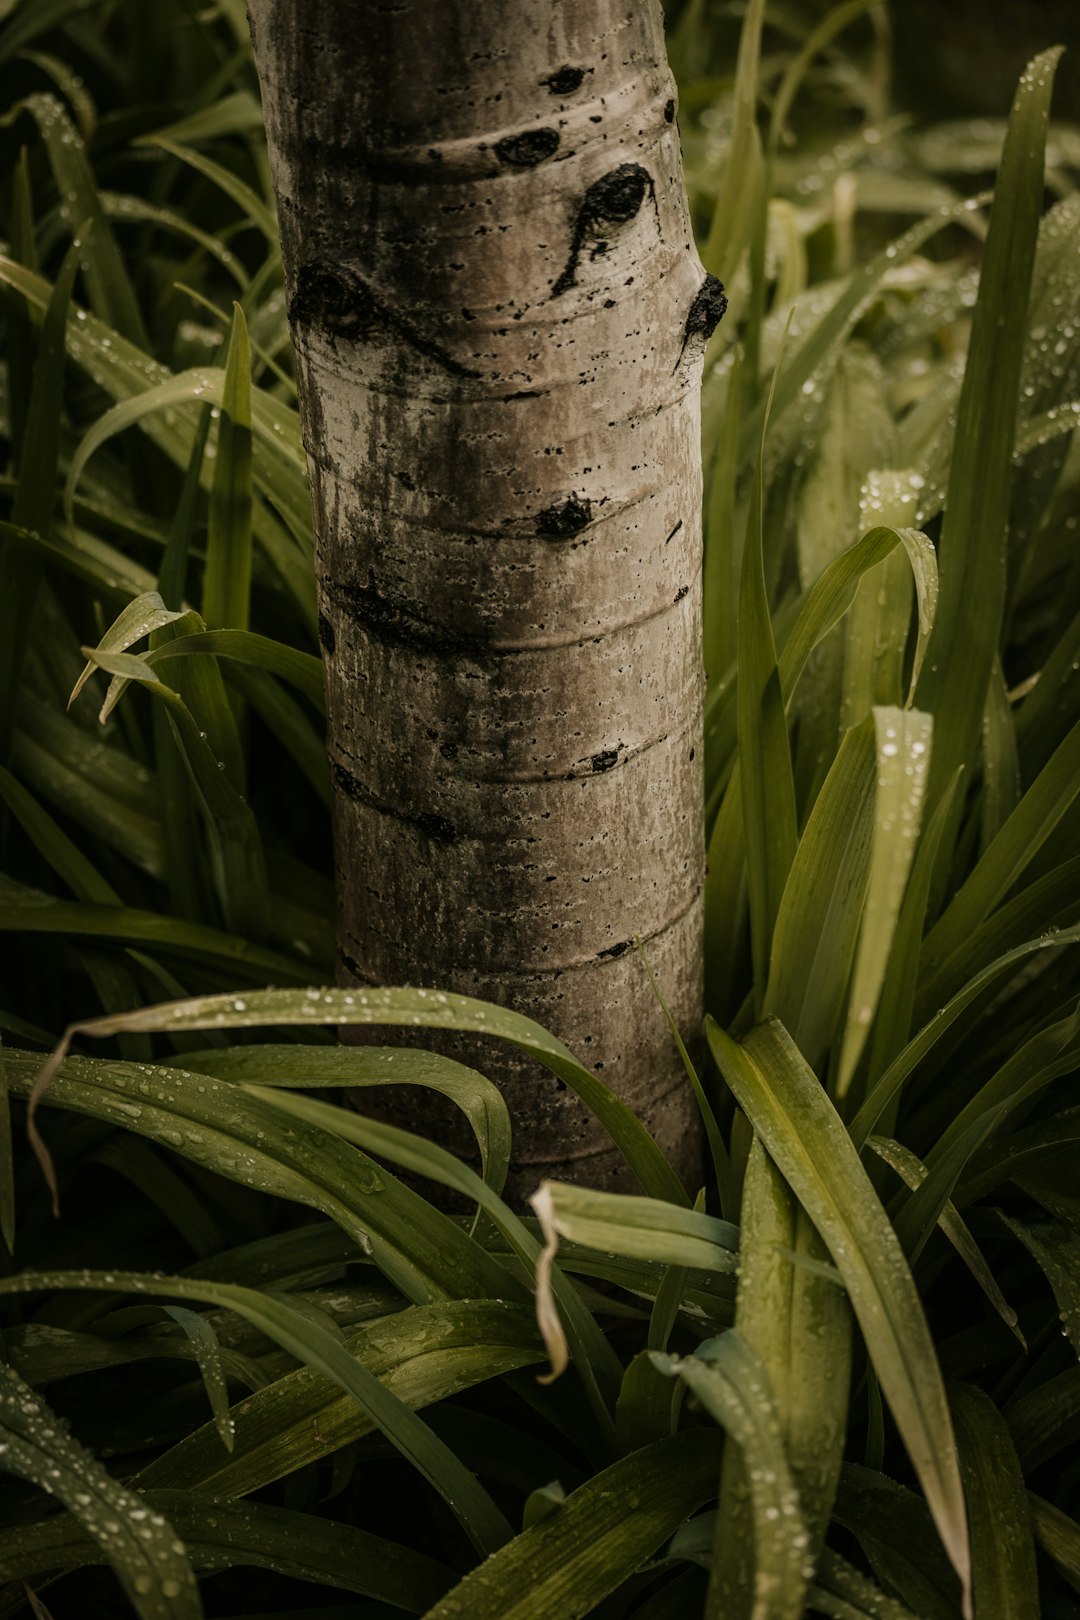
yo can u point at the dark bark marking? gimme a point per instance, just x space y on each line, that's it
673 533
326 633
704 315
683 590
431 825
564 81
604 761
614 199
616 950
560 522
526 150
669 111
392 621
333 298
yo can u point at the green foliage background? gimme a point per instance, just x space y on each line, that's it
250 1370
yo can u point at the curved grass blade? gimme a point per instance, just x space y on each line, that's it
818 923
913 1173
1059 1536
1002 1544
422 1251
227 575
126 210
604 1531
27 912
597 1364
300 1067
798 1322
221 1535
313 1345
903 739
896 1533
249 202
964 645
903 1066
302 670
640 1228
806 1138
1040 810
1053 1247
766 783
423 1355
204 1342
150 1563
732 1384
416 1008
108 285
237 859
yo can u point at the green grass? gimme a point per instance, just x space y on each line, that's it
251 1370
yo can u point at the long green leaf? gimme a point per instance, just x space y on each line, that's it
903 740
964 644
571 1560
227 575
221 1535
426 1009
804 1135
1002 1544
732 1384
150 1563
316 1348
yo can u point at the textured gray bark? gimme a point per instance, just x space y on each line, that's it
499 319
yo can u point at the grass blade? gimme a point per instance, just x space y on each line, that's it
1002 1544
427 1009
568 1562
732 1384
227 576
142 1547
316 1348
964 645
804 1135
903 739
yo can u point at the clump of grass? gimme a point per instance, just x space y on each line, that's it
834 1380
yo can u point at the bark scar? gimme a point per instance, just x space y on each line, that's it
612 200
704 315
335 300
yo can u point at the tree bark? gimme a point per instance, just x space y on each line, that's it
499 318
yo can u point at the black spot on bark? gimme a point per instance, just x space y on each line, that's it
526 150
705 314
616 950
604 761
448 750
326 633
349 963
684 590
437 827
614 199
334 299
560 522
431 825
522 393
564 81
669 111
673 533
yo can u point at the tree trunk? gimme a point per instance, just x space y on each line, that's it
499 320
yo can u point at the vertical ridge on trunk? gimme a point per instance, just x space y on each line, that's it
499 318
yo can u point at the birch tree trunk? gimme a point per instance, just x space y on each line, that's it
499 318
